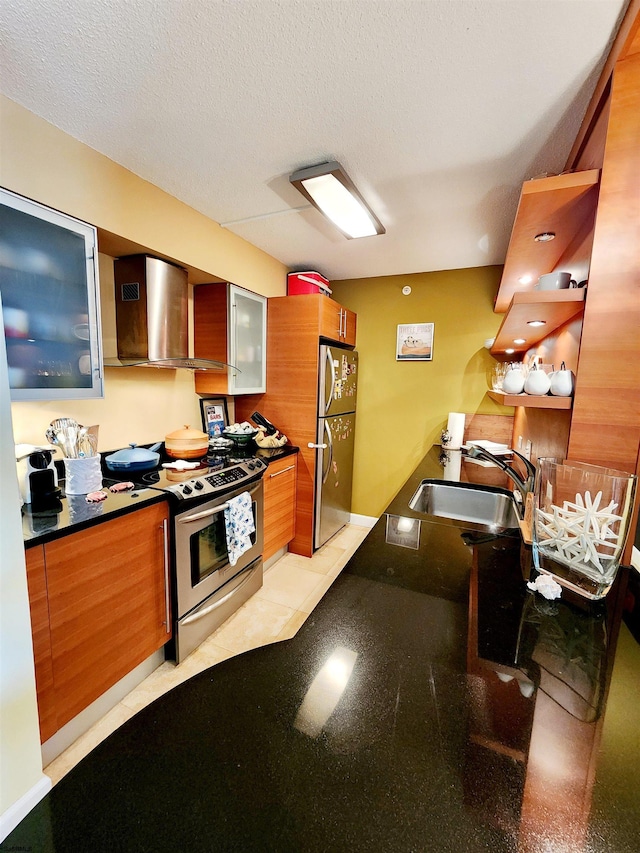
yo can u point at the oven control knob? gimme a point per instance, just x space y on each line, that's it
250 466
186 490
198 485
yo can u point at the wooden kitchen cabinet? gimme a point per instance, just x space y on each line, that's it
279 504
230 326
102 596
41 634
336 323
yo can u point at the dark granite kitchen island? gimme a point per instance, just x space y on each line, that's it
429 703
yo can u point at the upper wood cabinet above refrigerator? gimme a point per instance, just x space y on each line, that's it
230 325
336 323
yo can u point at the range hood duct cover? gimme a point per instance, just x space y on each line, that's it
152 318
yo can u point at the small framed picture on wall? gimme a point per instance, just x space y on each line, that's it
414 342
215 417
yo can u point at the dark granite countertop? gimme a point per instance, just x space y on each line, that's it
429 703
72 512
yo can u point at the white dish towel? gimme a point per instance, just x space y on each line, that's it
239 525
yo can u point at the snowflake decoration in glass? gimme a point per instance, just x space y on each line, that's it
580 532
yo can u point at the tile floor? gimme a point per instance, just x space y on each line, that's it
293 586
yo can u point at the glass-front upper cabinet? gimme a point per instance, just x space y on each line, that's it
50 302
230 325
247 341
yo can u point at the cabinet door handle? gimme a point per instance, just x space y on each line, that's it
284 471
234 331
310 445
167 585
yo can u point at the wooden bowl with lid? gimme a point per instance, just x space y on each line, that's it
186 443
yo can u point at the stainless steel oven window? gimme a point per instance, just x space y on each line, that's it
208 546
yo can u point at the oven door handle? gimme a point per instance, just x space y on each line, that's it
196 616
187 519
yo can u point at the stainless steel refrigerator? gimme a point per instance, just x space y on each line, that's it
335 440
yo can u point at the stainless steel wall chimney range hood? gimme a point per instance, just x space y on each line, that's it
152 316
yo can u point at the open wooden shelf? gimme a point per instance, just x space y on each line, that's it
555 307
563 204
531 400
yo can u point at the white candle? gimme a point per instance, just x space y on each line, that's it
455 428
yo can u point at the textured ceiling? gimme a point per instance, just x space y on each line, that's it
438 109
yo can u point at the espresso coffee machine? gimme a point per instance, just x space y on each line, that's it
37 476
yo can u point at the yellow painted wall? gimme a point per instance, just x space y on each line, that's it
41 162
403 406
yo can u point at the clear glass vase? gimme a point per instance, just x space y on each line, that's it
580 523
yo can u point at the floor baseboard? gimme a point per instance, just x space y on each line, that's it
363 520
21 808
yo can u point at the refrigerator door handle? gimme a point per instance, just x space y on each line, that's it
326 470
329 396
311 446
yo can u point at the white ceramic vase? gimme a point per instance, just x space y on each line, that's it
537 382
562 382
513 382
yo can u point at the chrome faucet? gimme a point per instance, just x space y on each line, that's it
524 486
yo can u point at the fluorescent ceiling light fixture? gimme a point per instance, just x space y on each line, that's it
536 323
525 279
509 351
329 188
545 237
519 341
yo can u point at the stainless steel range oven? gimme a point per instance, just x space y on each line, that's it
207 588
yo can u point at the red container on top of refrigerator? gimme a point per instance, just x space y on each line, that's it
307 282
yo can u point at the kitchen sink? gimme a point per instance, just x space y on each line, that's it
486 505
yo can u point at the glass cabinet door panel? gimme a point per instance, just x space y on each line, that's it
247 340
48 280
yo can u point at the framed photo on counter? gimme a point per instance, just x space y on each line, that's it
215 417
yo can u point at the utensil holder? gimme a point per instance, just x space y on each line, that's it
83 475
580 524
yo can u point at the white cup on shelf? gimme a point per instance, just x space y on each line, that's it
554 281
